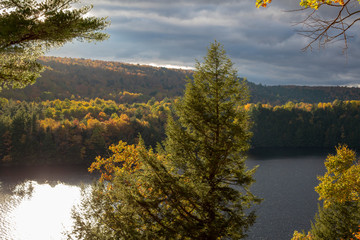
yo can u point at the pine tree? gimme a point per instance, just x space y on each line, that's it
338 221
207 140
194 187
30 27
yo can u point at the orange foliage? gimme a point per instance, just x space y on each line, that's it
102 116
356 235
125 158
324 105
124 118
301 236
248 106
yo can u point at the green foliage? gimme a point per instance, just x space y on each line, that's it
75 130
208 139
197 185
339 218
18 68
280 95
306 125
30 27
339 221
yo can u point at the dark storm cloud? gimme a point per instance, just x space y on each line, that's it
262 43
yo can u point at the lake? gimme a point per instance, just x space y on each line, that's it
44 213
285 180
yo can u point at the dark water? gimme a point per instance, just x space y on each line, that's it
285 179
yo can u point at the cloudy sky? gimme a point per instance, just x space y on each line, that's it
263 43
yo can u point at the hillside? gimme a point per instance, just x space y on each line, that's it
85 79
277 95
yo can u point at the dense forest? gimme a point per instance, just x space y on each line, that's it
306 125
79 107
127 83
72 131
277 95
76 131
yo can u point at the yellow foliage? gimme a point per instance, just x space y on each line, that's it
262 3
126 93
92 122
88 116
304 106
124 118
341 182
49 123
144 123
266 105
301 236
67 123
124 158
314 4
82 126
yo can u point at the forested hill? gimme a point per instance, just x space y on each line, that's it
86 79
277 95
83 78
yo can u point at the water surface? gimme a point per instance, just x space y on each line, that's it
285 180
36 202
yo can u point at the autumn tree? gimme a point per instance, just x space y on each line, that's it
339 217
329 27
196 185
30 27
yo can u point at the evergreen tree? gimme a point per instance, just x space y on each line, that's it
338 221
197 185
96 144
207 140
31 27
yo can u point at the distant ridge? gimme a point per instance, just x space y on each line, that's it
309 94
122 82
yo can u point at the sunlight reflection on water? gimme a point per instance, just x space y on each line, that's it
285 180
6 206
42 215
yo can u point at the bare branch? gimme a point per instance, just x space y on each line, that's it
326 30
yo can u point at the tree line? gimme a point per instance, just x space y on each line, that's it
72 131
76 131
306 125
